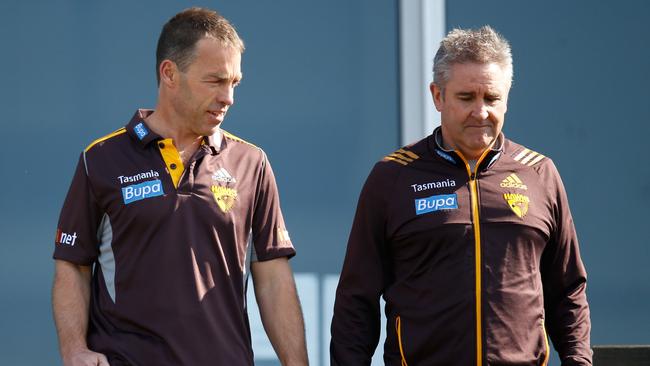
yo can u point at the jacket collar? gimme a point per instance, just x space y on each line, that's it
454 157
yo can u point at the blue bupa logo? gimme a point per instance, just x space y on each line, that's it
140 130
137 192
445 156
435 203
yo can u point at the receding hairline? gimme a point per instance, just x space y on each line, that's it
180 35
238 46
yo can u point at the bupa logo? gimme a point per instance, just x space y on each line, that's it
137 192
436 203
65 238
140 130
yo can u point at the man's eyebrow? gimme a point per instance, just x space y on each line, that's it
215 75
222 76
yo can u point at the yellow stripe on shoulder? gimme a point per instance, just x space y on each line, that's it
102 139
402 156
230 136
529 157
395 160
409 153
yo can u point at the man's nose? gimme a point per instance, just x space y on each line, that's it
480 111
227 95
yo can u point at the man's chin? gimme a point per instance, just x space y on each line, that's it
481 141
211 130
482 146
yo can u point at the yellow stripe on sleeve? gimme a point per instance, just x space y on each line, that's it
521 154
400 156
536 160
530 156
235 138
396 160
102 139
409 153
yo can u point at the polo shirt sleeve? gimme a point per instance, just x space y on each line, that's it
76 234
270 236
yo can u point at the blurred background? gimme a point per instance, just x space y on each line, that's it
324 95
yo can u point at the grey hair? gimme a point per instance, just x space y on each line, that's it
483 46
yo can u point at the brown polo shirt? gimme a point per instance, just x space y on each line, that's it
170 245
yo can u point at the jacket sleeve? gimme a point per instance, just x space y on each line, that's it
356 322
565 281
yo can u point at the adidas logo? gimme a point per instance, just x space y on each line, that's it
513 181
402 156
223 176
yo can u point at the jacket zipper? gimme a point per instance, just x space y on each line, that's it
398 329
473 186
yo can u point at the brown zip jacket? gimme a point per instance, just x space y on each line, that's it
477 266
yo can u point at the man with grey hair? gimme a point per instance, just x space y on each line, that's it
466 234
167 217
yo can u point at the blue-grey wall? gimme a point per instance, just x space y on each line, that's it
320 95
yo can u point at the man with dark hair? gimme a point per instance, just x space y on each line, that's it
165 219
467 235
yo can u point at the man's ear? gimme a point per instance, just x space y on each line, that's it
168 72
437 95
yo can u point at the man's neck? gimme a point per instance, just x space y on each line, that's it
164 124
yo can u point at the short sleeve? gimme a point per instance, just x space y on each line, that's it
270 237
76 235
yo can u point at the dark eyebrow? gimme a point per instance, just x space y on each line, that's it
221 76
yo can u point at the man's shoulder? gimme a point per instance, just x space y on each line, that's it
239 142
240 149
106 141
525 157
404 156
522 159
398 163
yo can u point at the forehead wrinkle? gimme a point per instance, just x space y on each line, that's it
224 76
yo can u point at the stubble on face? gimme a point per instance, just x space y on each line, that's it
206 88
